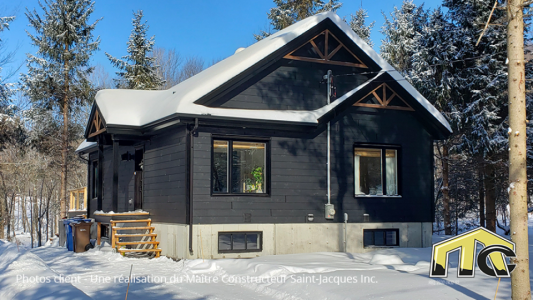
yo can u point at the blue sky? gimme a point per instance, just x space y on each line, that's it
209 29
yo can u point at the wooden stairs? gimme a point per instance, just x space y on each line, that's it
146 243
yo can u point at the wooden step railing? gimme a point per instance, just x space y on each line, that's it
148 233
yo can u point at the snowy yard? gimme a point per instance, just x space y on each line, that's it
402 273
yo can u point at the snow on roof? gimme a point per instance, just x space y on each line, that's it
85 145
138 108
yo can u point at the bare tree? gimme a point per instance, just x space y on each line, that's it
169 62
100 78
173 68
192 66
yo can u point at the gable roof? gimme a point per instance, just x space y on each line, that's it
137 108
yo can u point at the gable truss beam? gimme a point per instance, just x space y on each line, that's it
383 100
326 56
97 125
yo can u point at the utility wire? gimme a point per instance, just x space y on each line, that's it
440 64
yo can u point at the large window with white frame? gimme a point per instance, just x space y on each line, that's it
376 171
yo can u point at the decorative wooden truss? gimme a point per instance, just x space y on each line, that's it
327 49
97 125
383 97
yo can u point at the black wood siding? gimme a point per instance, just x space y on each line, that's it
299 182
165 178
291 85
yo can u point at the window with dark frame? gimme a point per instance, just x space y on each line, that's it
94 179
229 242
239 167
376 171
381 237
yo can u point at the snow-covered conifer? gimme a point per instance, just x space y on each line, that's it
357 23
6 89
288 12
57 73
400 31
137 69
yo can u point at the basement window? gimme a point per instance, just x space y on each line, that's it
239 167
376 171
232 242
381 237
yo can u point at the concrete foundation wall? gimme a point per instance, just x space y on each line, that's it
283 238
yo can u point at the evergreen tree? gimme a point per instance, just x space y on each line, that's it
288 12
6 89
482 109
400 31
432 72
357 23
56 78
137 69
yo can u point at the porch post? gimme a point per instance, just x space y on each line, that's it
115 175
100 170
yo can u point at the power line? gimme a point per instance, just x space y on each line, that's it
439 64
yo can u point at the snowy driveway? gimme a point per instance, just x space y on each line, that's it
384 274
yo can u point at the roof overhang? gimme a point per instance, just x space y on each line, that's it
137 112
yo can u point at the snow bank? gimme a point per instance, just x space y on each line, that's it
23 275
100 212
383 259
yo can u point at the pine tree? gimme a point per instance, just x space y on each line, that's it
400 31
357 23
482 100
56 78
6 90
432 73
137 69
288 12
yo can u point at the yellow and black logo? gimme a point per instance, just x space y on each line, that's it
494 248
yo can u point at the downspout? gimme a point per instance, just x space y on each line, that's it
329 140
329 209
191 177
81 157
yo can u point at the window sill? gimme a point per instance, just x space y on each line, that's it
377 196
380 247
239 251
240 195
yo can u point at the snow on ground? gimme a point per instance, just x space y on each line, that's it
398 273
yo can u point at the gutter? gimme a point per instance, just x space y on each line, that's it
81 157
192 132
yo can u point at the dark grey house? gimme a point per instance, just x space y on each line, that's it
266 151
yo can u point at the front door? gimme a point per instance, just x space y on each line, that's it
138 196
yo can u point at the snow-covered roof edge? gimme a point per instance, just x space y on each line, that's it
136 108
85 146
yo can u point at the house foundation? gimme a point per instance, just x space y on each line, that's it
284 238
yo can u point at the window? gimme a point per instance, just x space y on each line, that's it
239 167
239 242
94 179
381 237
373 167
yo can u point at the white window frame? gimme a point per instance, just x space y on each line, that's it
384 168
